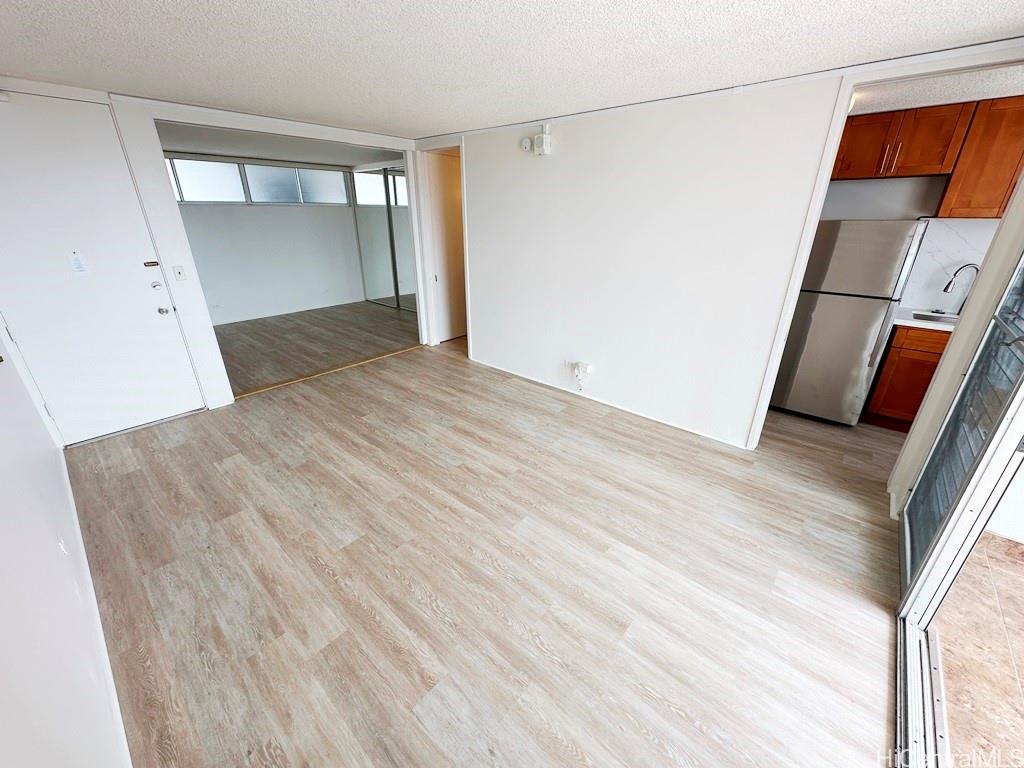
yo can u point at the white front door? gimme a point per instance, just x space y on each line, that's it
81 292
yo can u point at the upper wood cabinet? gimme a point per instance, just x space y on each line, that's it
865 146
912 142
991 161
929 140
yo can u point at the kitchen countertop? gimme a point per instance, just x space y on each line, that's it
905 316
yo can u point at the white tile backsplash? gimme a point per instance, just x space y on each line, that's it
947 244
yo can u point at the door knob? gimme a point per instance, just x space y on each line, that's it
163 310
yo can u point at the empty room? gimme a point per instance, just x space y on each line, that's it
303 248
511 385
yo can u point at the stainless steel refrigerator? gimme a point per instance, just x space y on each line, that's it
855 277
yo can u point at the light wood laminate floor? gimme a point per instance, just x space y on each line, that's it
269 350
426 562
981 634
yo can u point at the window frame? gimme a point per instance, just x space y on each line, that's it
390 187
181 195
346 179
241 162
394 189
243 168
374 172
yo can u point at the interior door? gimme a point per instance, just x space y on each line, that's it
82 294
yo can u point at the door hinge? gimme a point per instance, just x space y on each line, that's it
1021 446
49 412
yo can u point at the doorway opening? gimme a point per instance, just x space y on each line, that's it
440 174
303 248
920 182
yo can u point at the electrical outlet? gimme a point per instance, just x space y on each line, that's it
580 370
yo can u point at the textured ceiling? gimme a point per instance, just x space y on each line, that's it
948 89
416 69
176 137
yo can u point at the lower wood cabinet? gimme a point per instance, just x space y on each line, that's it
909 364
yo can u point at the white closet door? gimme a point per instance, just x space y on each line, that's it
95 324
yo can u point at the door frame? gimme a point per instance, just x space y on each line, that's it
427 237
136 119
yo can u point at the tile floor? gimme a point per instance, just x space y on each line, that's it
981 631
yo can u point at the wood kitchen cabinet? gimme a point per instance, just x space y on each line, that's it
930 139
990 163
862 150
910 362
910 142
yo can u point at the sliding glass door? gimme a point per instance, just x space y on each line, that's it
985 395
978 450
385 238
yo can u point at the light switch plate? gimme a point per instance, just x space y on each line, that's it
179 273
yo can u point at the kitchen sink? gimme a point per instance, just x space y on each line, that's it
938 317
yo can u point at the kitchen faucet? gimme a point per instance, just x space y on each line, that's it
952 282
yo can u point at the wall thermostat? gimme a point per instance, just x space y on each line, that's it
526 143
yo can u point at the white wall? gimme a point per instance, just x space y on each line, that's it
262 260
57 701
1008 519
656 242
